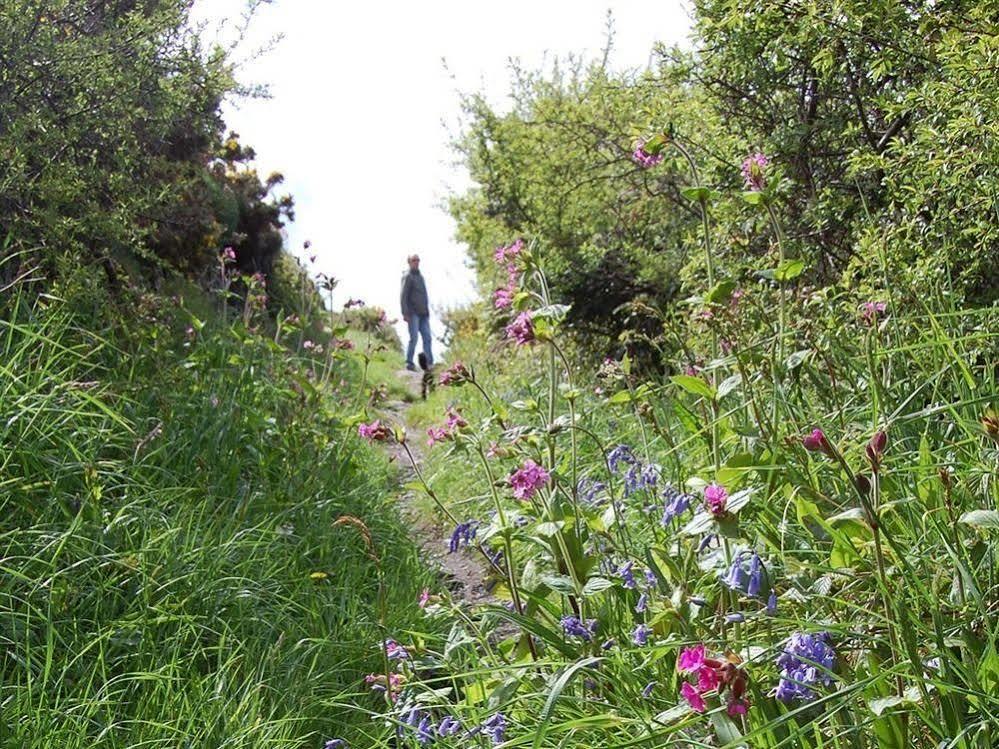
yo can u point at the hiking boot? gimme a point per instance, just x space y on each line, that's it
410 366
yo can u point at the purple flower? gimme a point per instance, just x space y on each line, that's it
676 503
627 576
753 171
496 727
869 311
738 579
588 491
425 731
574 627
641 635
650 579
715 497
528 479
816 442
755 576
521 329
448 726
608 644
394 651
335 744
463 535
643 158
620 454
643 603
806 662
772 604
647 690
505 255
735 618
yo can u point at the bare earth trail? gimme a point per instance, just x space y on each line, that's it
462 573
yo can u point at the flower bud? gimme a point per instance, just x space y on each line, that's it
876 448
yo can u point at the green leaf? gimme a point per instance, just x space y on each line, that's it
796 359
699 194
752 197
981 519
789 270
595 585
557 687
729 384
621 396
721 292
694 385
560 584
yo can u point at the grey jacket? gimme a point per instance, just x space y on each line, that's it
414 295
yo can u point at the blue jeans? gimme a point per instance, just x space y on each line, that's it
419 324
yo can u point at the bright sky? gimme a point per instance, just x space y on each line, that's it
362 106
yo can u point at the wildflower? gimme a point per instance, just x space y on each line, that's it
643 603
735 618
462 535
521 329
503 297
528 479
643 158
715 496
335 744
496 727
627 576
308 344
753 171
456 374
650 579
738 579
435 435
755 576
876 449
816 442
229 255
772 604
705 541
641 635
379 684
394 651
575 627
510 252
448 726
693 697
691 659
647 689
869 311
620 454
806 662
608 644
454 420
425 731
424 598
375 431
587 490
676 504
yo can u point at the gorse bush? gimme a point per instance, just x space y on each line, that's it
789 544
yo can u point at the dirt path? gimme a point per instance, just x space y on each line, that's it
462 573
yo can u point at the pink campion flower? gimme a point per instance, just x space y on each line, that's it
454 420
707 679
715 497
456 374
869 311
495 451
436 435
424 598
521 329
753 171
508 253
737 707
693 697
691 659
229 255
503 298
528 479
308 345
816 442
645 159
375 431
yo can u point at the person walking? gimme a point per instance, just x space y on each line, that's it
416 311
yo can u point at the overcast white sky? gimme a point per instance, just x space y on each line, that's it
362 102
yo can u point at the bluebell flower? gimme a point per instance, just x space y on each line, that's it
735 618
448 726
627 576
806 662
742 581
700 601
650 579
590 490
736 578
705 542
413 717
463 535
643 603
647 690
425 731
641 635
772 604
496 727
618 455
335 744
755 576
650 476
633 480
574 627
608 644
676 503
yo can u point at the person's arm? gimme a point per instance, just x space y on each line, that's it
404 298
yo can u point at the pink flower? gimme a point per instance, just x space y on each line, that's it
229 255
753 171
375 431
876 448
737 707
816 442
528 479
521 329
715 497
424 598
308 345
508 253
456 374
435 435
869 311
503 297
693 697
643 158
707 679
454 420
691 659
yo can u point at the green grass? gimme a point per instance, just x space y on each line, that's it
171 570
